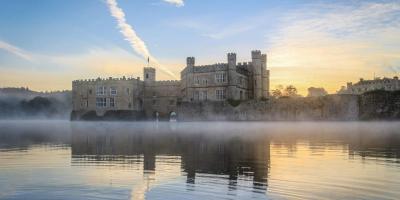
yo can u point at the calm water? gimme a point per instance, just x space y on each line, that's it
63 160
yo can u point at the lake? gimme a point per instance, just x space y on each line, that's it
208 160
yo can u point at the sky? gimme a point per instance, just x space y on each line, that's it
45 45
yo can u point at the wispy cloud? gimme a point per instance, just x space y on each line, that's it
177 3
230 31
137 44
328 45
16 51
210 27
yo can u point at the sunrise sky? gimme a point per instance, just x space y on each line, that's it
46 44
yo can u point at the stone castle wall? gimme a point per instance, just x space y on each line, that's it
161 97
388 84
134 99
242 81
332 107
127 97
380 105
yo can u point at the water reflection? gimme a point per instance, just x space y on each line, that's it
199 152
62 160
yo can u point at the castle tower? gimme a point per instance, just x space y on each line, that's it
231 76
265 76
149 75
257 65
190 63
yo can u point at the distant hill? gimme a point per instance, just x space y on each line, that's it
22 102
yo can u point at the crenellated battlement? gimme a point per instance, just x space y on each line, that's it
167 82
244 64
99 79
231 55
256 54
210 68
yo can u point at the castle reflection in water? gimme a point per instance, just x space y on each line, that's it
227 154
217 158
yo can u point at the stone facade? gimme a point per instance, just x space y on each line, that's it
316 92
147 97
330 107
222 81
217 82
102 95
387 84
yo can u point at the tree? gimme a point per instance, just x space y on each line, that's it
291 91
277 92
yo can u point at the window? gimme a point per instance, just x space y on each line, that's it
204 81
113 91
220 78
196 95
101 90
203 95
171 102
90 91
240 80
127 91
112 102
147 76
220 94
197 80
154 102
101 102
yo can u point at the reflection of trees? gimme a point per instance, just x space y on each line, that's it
23 134
376 140
220 154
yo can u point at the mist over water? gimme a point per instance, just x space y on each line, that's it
205 160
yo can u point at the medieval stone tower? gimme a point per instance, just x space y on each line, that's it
231 75
190 61
189 80
149 75
260 75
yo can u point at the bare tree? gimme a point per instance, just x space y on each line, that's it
290 91
278 91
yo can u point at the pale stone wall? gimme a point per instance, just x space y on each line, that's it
127 97
316 92
331 107
242 81
387 84
161 97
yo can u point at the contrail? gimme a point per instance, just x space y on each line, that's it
130 35
15 50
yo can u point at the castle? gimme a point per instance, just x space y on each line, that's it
387 84
149 97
